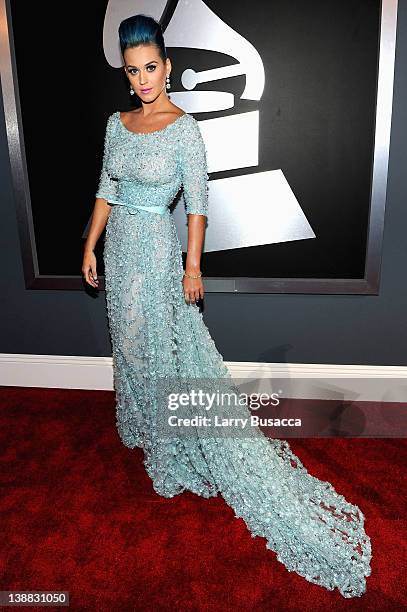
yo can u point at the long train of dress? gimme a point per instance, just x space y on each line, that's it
155 335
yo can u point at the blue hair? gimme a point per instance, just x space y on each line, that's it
141 30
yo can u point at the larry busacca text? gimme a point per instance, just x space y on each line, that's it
217 403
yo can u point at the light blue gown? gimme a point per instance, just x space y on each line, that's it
156 335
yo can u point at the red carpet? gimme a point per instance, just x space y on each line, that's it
79 514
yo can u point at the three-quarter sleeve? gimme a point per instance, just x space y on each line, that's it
194 169
107 187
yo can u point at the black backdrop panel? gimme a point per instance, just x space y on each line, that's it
317 116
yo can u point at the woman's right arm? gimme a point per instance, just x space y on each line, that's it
106 192
100 216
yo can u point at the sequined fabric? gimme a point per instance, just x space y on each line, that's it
155 334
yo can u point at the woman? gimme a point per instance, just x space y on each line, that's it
158 333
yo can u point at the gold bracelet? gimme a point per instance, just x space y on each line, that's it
189 275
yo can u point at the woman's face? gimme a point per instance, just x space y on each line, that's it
146 71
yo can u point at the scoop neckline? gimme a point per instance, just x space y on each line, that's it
149 133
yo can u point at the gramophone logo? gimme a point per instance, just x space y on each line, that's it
247 210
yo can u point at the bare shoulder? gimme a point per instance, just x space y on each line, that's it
171 113
134 119
178 111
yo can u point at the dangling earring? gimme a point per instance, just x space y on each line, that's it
131 91
168 85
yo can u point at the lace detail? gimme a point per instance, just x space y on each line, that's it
155 334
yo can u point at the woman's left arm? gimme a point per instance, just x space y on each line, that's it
193 287
194 171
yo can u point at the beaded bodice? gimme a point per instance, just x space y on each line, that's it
163 161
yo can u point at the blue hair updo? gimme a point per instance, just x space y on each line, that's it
141 30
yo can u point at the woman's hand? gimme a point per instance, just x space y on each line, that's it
100 215
193 288
89 268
